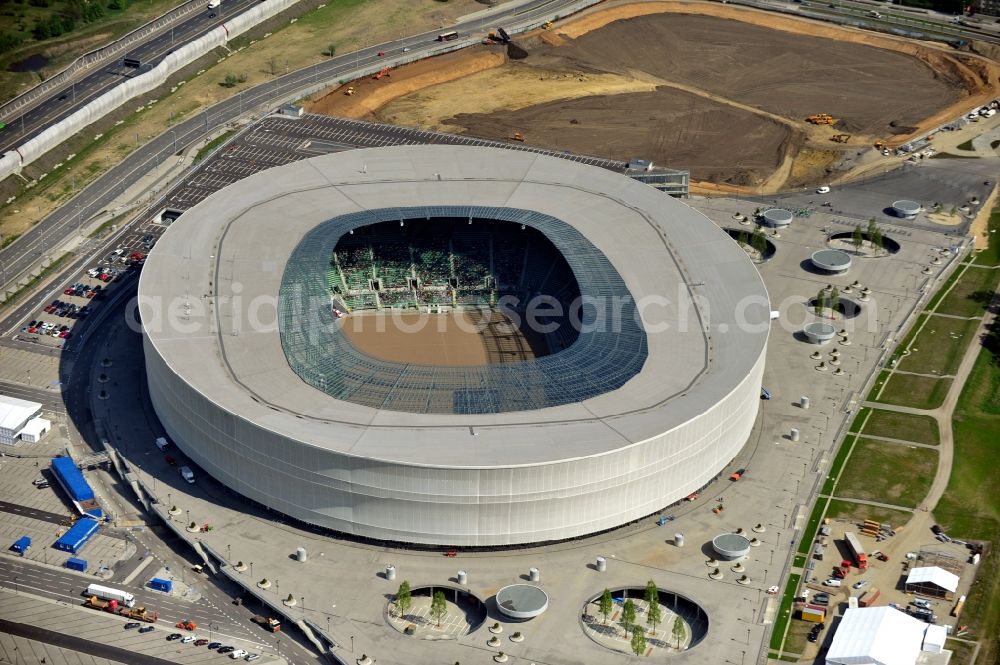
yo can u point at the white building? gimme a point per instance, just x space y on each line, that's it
886 636
932 581
35 429
14 416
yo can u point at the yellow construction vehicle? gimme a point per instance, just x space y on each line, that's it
349 91
821 119
548 24
880 145
518 136
841 138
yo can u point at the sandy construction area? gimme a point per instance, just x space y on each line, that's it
717 89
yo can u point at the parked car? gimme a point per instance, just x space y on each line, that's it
832 581
227 649
132 624
200 642
920 602
147 629
252 657
188 639
173 637
214 645
860 584
821 599
238 653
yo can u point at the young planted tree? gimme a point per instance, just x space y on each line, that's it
439 607
639 641
628 614
858 238
606 604
331 50
871 226
677 632
877 240
652 594
820 302
834 300
759 241
654 615
404 599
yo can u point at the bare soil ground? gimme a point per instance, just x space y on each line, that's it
465 338
717 89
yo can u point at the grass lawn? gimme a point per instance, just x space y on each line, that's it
971 294
795 641
888 473
991 255
920 392
838 465
970 507
919 429
840 509
939 347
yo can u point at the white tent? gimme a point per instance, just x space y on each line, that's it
34 430
934 638
933 575
14 413
876 636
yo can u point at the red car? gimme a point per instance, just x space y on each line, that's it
137 256
68 290
170 460
91 294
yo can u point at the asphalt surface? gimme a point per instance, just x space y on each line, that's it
50 232
24 511
78 644
63 102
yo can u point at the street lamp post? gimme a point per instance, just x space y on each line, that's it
251 570
229 553
352 643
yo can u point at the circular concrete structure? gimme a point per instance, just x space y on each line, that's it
777 218
522 601
731 546
251 376
906 209
832 261
819 332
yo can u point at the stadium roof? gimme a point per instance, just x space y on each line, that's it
876 636
933 575
704 307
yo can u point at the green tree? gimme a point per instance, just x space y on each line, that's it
877 239
331 50
820 302
652 594
639 641
654 615
628 614
606 604
439 607
858 238
404 598
871 226
759 241
834 300
677 632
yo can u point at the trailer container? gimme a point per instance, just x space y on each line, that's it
813 613
869 598
77 536
854 545
74 563
107 593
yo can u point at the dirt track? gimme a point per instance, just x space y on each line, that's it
693 89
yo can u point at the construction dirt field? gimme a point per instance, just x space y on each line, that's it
457 338
720 90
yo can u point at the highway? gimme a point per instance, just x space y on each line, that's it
61 103
39 241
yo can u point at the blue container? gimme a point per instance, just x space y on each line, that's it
21 545
161 585
77 536
76 564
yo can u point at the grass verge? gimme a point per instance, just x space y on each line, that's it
213 144
888 473
36 280
965 145
904 426
784 611
991 255
838 465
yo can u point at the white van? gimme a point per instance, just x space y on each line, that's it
162 444
832 581
188 475
239 653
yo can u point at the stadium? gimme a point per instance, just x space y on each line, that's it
453 345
